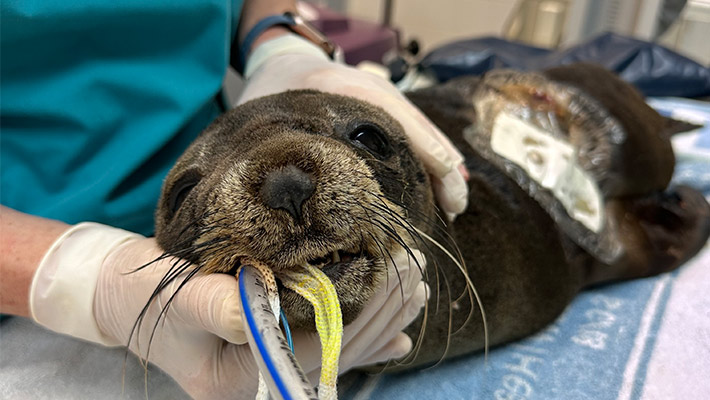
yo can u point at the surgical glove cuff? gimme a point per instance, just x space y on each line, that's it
63 287
287 44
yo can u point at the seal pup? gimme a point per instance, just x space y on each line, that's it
305 176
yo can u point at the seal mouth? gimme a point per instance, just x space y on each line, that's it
354 273
333 264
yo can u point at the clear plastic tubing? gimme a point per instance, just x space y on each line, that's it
284 377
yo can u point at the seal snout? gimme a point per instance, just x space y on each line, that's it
287 188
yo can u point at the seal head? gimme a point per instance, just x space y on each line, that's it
292 178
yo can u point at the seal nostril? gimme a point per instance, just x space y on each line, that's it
287 188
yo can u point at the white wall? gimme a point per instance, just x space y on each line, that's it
433 22
689 35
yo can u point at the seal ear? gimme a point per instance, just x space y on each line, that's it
673 126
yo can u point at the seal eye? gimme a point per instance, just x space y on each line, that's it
181 189
372 139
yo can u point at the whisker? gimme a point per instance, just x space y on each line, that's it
380 247
163 312
449 324
473 289
382 251
404 224
417 239
451 241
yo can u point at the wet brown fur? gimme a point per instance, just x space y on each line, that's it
525 269
309 130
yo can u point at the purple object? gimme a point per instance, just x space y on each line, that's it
329 21
360 40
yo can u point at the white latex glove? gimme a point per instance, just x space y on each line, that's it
84 288
291 62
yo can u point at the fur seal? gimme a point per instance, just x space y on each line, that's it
305 176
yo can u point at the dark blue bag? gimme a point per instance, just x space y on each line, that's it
653 69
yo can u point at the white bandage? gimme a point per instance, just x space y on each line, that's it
552 163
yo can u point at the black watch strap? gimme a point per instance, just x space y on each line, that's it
293 22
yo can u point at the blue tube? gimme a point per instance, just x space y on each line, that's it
287 330
284 377
259 342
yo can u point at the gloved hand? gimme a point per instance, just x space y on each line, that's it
290 62
84 287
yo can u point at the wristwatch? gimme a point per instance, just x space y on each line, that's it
308 31
294 23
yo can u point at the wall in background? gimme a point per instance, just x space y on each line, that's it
436 22
689 34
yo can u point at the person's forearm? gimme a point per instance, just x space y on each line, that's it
24 239
255 10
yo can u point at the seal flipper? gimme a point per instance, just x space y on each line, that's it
628 164
659 232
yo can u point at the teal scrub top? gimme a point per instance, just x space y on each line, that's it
100 97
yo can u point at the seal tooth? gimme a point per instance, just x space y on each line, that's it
335 257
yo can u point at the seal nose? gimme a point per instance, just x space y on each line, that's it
287 188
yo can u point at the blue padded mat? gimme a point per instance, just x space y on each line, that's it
643 339
646 339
